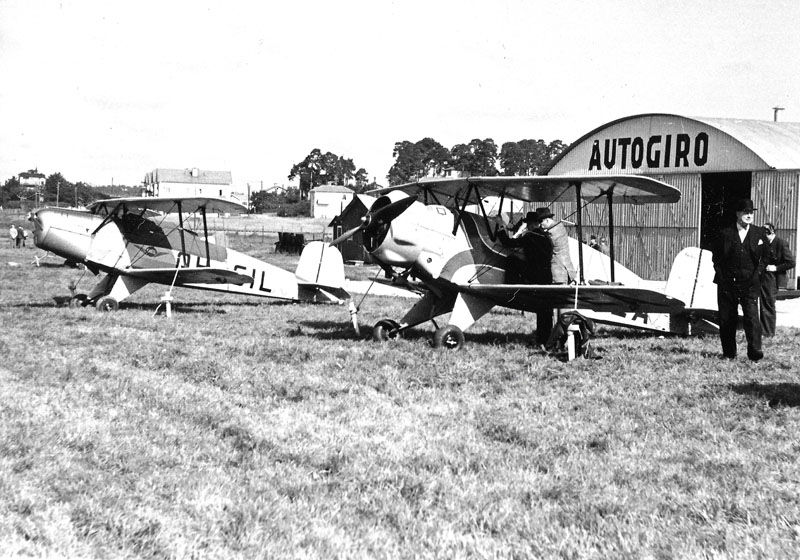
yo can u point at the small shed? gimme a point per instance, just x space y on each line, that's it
353 248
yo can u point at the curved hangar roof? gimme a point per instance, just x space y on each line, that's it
661 143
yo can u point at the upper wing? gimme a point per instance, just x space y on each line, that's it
598 298
626 189
191 275
186 205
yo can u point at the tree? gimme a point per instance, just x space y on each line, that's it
55 188
361 180
320 169
478 158
11 191
528 157
417 159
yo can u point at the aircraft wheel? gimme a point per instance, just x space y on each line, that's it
384 330
78 300
107 303
449 337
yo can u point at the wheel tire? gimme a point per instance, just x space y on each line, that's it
384 330
107 303
449 337
78 300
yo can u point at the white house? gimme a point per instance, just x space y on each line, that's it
328 201
193 182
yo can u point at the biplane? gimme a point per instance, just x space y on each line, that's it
136 241
424 237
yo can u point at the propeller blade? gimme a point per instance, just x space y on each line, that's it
345 236
391 211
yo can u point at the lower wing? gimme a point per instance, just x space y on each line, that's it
531 297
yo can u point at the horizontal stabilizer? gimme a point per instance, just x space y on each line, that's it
691 279
321 267
193 275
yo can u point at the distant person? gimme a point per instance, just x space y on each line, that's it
779 261
21 236
740 259
12 234
603 246
593 241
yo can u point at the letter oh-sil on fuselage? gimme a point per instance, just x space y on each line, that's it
422 237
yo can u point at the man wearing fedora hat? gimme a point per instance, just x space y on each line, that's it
561 267
545 244
740 258
537 247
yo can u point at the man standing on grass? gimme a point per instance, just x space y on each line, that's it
740 258
779 260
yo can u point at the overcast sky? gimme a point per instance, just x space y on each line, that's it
106 91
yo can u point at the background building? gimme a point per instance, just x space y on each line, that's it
328 201
713 162
193 182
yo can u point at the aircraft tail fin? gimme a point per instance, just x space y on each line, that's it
320 274
691 279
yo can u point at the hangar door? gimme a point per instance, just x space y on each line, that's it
720 191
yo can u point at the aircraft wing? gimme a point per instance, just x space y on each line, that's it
186 204
625 189
531 297
189 275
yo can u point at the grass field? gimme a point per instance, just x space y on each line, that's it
246 429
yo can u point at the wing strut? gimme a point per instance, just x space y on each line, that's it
180 224
205 235
579 226
611 230
463 208
489 229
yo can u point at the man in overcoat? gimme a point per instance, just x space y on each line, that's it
779 260
740 258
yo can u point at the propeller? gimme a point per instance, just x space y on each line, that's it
377 219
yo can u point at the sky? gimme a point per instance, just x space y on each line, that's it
105 91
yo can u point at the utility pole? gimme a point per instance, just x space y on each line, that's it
775 113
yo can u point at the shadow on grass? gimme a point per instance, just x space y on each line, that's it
343 330
776 394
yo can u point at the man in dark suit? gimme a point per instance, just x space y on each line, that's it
537 246
779 260
740 258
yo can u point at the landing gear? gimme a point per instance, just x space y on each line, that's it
449 337
78 300
385 329
107 303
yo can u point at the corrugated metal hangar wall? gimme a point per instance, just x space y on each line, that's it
713 162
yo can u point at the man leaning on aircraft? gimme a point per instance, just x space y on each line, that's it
545 244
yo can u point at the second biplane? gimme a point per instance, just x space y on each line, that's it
136 241
424 238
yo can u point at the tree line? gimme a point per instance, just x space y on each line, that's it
58 190
412 161
427 158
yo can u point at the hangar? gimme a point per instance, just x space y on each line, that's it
713 162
